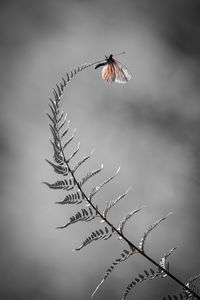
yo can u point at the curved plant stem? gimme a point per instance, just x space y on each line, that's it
109 223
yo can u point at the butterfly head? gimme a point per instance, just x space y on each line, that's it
109 59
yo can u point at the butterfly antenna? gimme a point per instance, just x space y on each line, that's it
103 60
119 53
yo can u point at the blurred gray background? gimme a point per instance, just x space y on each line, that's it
149 127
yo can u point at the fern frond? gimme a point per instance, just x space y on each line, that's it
124 256
57 155
54 133
110 204
126 218
55 111
62 166
185 294
66 130
54 106
59 118
97 188
164 264
75 198
90 175
63 170
192 286
70 139
150 275
82 161
83 215
73 154
52 120
147 275
56 97
63 122
58 92
63 84
62 184
96 235
143 240
68 79
193 278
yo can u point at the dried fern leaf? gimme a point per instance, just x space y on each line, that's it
95 235
192 286
164 264
193 278
63 170
74 198
62 184
68 79
54 111
59 91
66 130
147 275
74 153
90 175
72 73
82 161
143 240
59 118
57 155
110 204
63 83
62 86
63 123
97 188
166 255
83 215
54 133
56 97
126 218
124 256
54 106
70 139
52 120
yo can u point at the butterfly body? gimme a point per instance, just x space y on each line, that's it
114 71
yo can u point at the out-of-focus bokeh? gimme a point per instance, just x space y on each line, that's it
149 127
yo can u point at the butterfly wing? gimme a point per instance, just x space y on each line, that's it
108 72
122 74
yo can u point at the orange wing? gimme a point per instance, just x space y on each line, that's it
108 73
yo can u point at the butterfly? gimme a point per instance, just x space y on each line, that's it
113 70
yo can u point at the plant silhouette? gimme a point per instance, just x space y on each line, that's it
69 182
